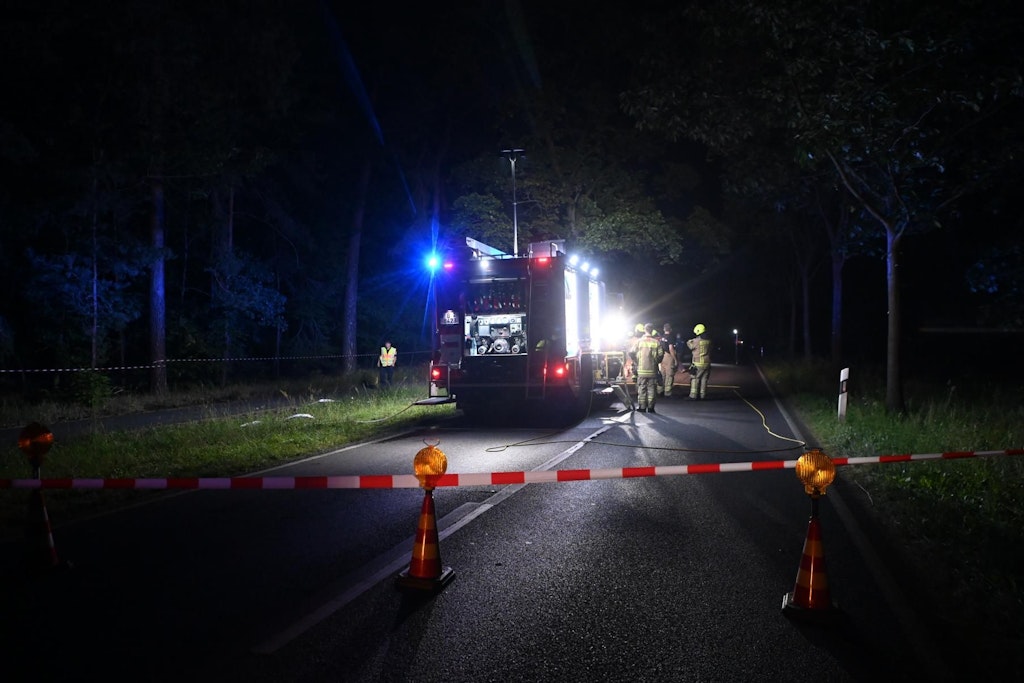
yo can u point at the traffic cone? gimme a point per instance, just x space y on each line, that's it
40 551
425 571
810 597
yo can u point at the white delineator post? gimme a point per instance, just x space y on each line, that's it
844 376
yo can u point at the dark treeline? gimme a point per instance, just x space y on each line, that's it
263 178
179 183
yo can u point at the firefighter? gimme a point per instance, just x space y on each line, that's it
669 362
386 363
700 368
647 358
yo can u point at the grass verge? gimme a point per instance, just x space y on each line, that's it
225 442
960 523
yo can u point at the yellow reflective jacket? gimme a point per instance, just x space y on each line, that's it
701 350
648 356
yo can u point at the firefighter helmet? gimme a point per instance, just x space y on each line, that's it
639 328
699 329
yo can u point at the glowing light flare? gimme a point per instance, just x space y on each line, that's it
35 441
815 471
614 329
429 465
558 371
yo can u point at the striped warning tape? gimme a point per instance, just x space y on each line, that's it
170 361
408 481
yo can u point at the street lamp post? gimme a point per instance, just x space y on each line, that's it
736 346
512 155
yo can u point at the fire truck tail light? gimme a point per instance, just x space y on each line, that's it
436 373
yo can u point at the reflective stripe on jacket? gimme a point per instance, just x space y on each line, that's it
701 349
648 356
388 356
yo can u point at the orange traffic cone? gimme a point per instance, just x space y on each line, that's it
425 571
40 551
810 597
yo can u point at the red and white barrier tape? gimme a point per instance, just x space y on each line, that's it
410 481
169 361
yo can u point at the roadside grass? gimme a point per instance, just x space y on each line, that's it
960 522
226 443
92 395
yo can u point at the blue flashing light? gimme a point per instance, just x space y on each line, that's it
433 262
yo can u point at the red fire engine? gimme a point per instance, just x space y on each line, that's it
518 332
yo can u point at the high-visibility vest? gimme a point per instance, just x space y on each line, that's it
388 356
648 356
701 349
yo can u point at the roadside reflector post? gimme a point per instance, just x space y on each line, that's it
844 377
810 598
425 571
35 441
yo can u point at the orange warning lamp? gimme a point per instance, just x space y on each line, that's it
816 471
429 465
35 441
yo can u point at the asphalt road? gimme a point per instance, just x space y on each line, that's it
668 578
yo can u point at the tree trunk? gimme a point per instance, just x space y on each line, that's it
157 301
791 351
893 379
838 260
227 248
805 294
348 338
95 327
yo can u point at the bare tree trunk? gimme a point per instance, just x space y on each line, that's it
348 337
893 379
157 301
893 233
837 237
805 294
791 352
227 249
94 331
838 260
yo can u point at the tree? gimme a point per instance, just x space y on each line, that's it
585 177
892 99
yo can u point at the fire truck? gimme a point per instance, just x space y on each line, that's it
518 333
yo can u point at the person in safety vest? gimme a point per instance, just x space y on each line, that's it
669 363
700 368
386 363
647 357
